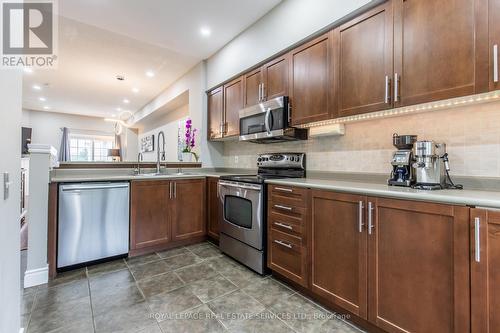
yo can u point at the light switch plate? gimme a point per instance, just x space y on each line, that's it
6 185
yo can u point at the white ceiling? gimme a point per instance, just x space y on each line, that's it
99 39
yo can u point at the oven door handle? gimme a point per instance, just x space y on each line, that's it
266 121
242 186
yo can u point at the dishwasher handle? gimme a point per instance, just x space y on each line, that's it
93 186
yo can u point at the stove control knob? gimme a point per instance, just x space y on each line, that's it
259 159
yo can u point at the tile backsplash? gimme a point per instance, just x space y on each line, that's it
472 135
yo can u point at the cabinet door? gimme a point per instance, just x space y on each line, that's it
215 113
438 49
311 81
365 62
214 207
275 75
233 103
485 270
339 250
494 44
149 221
188 208
418 257
252 84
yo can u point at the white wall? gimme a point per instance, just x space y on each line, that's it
47 125
170 124
47 128
286 24
194 83
10 138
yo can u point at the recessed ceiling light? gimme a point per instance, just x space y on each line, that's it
126 101
135 90
46 107
205 31
28 70
113 115
150 73
43 99
37 87
118 109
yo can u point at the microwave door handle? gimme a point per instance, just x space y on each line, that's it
266 122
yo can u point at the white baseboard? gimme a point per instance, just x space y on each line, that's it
36 277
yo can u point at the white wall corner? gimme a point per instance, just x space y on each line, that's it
36 277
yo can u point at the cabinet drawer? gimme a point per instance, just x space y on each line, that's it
287 256
286 223
286 209
292 195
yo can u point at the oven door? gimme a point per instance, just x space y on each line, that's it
242 212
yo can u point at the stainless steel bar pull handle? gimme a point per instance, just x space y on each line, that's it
282 189
175 190
396 87
283 207
279 224
477 239
495 63
370 218
283 244
387 98
170 190
360 216
263 91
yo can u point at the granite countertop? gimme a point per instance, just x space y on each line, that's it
489 199
117 175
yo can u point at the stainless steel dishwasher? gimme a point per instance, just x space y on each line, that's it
93 222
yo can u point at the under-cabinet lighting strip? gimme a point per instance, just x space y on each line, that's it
420 108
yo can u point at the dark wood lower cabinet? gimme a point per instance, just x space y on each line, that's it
418 259
166 213
214 208
338 250
485 270
149 219
397 265
188 208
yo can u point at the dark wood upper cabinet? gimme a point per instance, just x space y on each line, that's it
485 270
494 44
253 87
275 78
418 259
188 208
339 250
364 62
149 218
440 50
215 113
233 103
311 79
214 207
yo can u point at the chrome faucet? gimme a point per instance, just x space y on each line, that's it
139 159
162 153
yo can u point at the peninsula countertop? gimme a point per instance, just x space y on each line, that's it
479 198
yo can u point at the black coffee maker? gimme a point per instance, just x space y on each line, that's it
402 159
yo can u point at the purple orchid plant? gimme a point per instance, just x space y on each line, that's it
190 138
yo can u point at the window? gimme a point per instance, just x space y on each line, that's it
87 148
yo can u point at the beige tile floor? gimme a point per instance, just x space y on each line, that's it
188 289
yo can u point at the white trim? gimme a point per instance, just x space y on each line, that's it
21 330
42 149
36 277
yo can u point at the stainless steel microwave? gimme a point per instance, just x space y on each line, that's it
268 122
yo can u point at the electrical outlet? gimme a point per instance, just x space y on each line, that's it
236 160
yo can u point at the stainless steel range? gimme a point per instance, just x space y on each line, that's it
244 198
